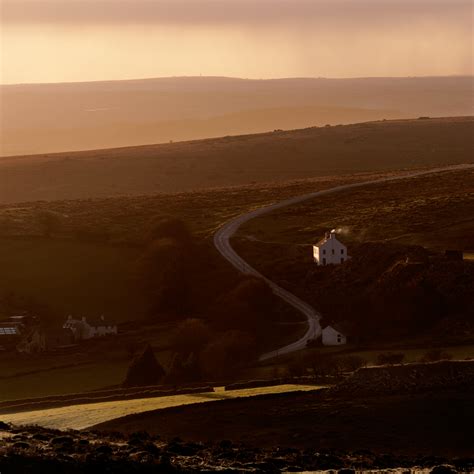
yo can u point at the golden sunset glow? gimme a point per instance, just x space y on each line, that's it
76 41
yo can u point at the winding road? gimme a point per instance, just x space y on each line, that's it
222 243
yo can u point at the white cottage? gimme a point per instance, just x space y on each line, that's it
329 250
83 329
332 337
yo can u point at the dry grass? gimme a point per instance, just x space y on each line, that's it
237 160
85 416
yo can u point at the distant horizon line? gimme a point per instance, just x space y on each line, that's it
156 78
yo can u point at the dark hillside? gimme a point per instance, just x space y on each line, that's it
238 160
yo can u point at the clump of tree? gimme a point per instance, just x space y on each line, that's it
435 355
163 271
183 369
227 353
321 365
390 358
191 336
144 370
249 306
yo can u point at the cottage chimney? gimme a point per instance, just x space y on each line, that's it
332 234
83 319
102 317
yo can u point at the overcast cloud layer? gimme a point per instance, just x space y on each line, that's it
76 40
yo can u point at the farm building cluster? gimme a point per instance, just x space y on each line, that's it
25 333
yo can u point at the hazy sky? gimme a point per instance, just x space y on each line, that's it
77 40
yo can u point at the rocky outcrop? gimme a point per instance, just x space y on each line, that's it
40 450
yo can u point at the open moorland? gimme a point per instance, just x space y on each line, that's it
398 285
238 160
147 262
45 118
279 246
83 258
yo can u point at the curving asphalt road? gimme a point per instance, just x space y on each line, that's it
223 246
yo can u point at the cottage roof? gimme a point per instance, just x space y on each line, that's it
327 237
343 327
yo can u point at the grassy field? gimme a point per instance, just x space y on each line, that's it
84 416
237 160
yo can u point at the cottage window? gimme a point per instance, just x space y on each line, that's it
324 261
324 252
342 251
333 251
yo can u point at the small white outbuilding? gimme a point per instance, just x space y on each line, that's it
330 251
83 329
332 337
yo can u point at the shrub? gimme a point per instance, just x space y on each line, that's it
324 365
435 355
183 369
351 363
249 305
390 358
144 370
191 336
230 351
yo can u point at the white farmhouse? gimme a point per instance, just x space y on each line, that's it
329 250
332 337
83 329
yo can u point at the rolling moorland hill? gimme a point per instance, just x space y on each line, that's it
238 160
45 118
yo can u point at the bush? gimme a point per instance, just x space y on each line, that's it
434 355
324 365
351 363
183 369
230 351
249 305
191 336
144 370
390 358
